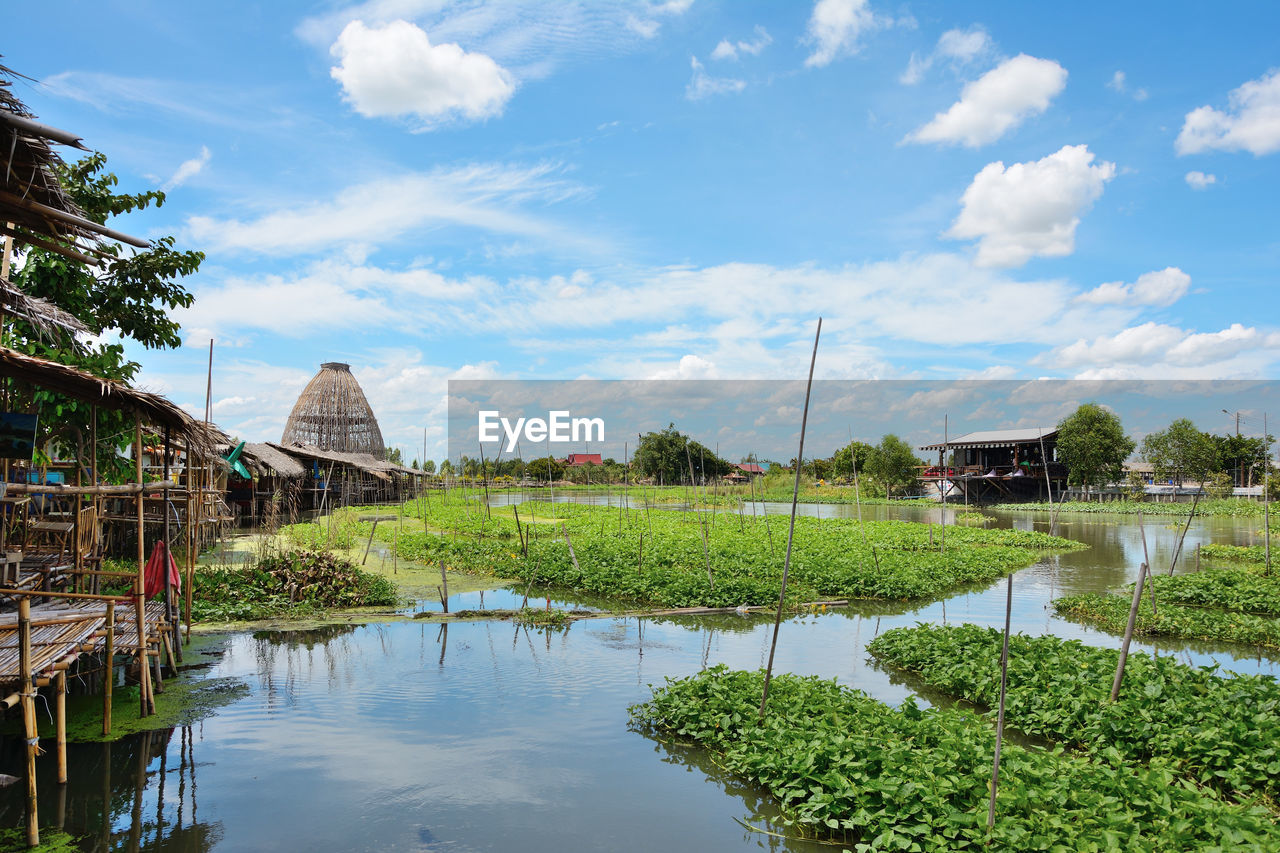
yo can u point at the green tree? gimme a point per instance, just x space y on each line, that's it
1243 456
446 467
393 456
1180 452
667 456
893 464
1093 446
429 466
130 291
543 469
854 454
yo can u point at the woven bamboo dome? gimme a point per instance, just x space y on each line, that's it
333 414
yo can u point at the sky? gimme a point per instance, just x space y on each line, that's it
678 189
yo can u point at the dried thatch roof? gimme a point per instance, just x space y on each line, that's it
360 461
44 316
332 414
153 409
271 462
34 208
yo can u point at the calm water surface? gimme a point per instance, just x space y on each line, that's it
486 736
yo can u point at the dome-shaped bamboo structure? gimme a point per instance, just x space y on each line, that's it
332 414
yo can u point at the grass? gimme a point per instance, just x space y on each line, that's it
845 767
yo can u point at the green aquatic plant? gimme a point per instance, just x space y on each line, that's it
657 557
847 767
1232 507
294 584
1111 613
1219 731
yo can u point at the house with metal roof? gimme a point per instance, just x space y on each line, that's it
998 464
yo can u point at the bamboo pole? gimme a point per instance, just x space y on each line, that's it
60 723
28 718
1128 632
791 531
140 601
444 588
108 662
1004 687
1178 551
946 478
1266 497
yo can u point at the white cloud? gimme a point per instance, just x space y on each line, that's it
835 27
485 196
1160 288
703 85
646 26
1119 83
689 367
394 70
996 102
1200 180
1032 208
960 47
188 169
732 50
1251 122
1154 344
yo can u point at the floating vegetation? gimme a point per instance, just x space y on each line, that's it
1222 732
970 517
295 584
847 767
688 559
1236 507
1251 554
1111 613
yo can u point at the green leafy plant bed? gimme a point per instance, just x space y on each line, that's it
973 518
847 767
659 558
1218 506
1111 613
1221 732
293 584
1236 590
1249 554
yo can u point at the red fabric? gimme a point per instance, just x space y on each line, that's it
153 573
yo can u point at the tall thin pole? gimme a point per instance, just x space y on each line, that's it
1266 495
946 476
1004 686
27 697
791 530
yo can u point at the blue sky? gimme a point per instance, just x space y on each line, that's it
433 190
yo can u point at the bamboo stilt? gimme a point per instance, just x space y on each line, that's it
60 721
108 663
28 718
1004 687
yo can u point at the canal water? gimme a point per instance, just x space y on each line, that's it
487 736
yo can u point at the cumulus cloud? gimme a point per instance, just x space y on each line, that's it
1250 123
732 50
1030 209
188 169
836 27
1200 180
1154 344
959 47
394 70
689 366
646 25
703 85
1160 288
996 102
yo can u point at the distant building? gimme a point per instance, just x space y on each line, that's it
751 469
999 464
577 460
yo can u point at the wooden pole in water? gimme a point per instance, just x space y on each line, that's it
1266 497
1146 559
1128 632
108 666
1178 551
946 478
444 588
60 723
1004 687
791 532
1048 484
28 717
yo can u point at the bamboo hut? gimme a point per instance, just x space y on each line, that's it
333 414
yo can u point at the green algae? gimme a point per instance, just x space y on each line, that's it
51 841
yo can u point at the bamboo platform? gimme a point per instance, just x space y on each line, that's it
56 634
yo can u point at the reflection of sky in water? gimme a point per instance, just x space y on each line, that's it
488 736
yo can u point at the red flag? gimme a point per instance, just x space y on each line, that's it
152 573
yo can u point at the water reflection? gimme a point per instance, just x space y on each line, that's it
131 795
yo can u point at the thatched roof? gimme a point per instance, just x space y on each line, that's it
34 208
332 414
360 461
44 316
153 409
271 462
